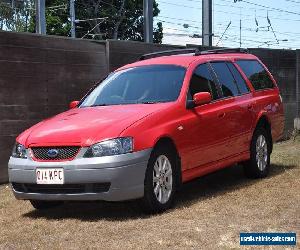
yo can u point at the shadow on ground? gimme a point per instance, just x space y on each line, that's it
206 187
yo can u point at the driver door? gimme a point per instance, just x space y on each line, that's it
205 133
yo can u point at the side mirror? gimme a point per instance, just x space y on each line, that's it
73 104
202 98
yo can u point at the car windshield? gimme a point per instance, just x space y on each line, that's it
144 84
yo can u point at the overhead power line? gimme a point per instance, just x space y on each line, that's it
88 33
270 8
232 19
179 24
57 6
234 6
232 12
293 1
180 5
223 33
178 19
269 22
282 33
90 19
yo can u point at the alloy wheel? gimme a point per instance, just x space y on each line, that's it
162 179
261 152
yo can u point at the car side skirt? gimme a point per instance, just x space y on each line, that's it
193 173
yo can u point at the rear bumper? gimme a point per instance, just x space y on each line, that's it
124 173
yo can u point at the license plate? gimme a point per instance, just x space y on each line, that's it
50 176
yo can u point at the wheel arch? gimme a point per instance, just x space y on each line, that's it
169 142
264 122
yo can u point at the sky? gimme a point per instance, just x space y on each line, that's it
182 18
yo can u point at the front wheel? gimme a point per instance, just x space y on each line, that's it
259 164
160 181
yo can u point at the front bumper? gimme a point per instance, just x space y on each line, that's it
124 173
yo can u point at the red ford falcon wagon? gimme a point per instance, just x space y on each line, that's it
151 126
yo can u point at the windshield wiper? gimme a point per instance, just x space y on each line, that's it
104 104
97 105
149 102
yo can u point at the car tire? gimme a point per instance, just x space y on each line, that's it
41 205
160 180
260 150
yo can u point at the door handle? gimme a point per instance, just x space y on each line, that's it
221 115
250 106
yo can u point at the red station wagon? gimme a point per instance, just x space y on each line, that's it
149 127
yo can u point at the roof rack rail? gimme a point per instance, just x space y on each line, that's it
194 51
222 51
169 53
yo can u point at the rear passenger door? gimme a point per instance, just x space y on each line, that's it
237 102
266 93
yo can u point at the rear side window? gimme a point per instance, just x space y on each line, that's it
226 80
256 73
202 81
241 83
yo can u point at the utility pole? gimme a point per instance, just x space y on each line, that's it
240 27
72 17
207 23
40 17
240 33
148 20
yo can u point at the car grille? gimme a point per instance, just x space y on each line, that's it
61 189
64 153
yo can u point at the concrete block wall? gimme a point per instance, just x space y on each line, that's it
124 52
39 76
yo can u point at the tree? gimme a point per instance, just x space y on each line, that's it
15 15
57 18
123 19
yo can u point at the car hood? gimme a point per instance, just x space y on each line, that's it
86 126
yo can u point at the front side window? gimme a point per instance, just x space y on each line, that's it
256 73
226 80
144 84
202 81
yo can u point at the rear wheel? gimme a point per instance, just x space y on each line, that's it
259 164
160 180
40 205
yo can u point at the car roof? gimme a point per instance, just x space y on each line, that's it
185 60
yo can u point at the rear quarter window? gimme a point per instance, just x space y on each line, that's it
256 73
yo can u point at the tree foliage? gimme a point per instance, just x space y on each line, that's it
57 18
15 15
122 19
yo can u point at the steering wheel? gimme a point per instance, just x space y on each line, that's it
144 96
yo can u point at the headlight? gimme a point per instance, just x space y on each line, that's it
19 151
116 146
